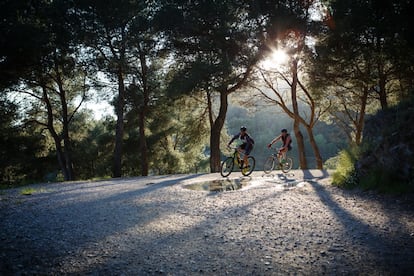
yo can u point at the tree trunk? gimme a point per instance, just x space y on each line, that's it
215 132
382 80
315 148
68 150
119 134
382 92
296 121
143 148
143 145
61 158
65 130
359 128
55 136
303 164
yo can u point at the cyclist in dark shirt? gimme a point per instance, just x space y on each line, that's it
246 146
286 140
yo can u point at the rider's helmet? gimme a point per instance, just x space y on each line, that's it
243 128
284 130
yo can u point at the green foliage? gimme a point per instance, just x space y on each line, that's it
22 152
92 146
175 137
385 181
362 60
345 175
212 43
384 161
189 79
332 163
387 159
31 190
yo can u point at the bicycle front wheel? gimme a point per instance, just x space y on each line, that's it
287 165
269 164
250 168
227 166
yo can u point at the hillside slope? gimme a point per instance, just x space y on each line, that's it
387 160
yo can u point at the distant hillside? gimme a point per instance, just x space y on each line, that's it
387 159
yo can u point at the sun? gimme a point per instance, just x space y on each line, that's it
275 61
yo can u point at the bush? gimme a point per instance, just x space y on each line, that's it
385 181
345 174
387 160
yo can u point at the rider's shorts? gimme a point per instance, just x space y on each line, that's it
288 149
247 148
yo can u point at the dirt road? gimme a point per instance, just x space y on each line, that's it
275 224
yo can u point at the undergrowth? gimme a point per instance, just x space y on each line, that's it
30 191
384 161
345 175
385 181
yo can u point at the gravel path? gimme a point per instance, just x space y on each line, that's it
274 225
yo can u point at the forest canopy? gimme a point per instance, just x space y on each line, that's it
183 76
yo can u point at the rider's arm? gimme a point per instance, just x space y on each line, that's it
274 141
232 139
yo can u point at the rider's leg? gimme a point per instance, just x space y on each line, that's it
240 150
282 154
245 160
246 156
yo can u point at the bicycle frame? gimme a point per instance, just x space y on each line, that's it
237 159
237 156
281 160
279 156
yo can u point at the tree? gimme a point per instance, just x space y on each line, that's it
368 49
126 46
308 116
20 41
177 139
219 43
211 39
20 149
93 143
294 75
107 27
53 79
147 88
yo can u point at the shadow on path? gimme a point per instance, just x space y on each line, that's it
391 251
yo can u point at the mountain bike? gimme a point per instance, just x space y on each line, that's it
282 161
237 160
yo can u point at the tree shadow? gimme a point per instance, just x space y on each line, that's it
390 251
40 230
137 242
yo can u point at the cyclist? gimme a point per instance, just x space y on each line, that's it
286 140
246 146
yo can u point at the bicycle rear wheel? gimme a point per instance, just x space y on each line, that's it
287 164
269 164
250 168
227 166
